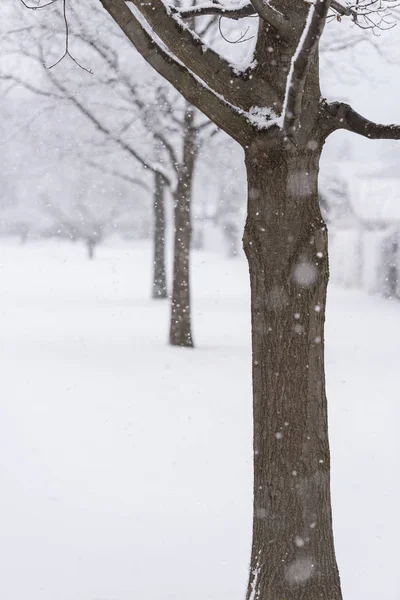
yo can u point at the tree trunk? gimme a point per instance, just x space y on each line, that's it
180 330
159 271
90 248
285 241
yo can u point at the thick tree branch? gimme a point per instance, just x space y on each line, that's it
216 9
188 48
256 7
214 106
345 117
366 14
300 64
250 9
247 10
108 54
272 16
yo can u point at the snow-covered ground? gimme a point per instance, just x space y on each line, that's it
125 470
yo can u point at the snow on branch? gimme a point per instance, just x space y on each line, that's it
301 60
167 24
247 9
366 14
216 9
345 117
193 88
262 8
189 49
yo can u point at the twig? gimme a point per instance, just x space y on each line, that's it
66 51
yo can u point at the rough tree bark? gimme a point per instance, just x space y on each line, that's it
180 329
293 552
159 290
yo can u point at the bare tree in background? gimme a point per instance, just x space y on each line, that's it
159 285
274 109
82 223
172 133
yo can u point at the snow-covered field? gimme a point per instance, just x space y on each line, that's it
125 470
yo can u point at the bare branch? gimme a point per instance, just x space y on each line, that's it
361 12
66 52
190 49
240 40
343 10
257 7
367 14
30 87
216 9
37 6
168 147
247 9
300 64
118 174
26 124
105 130
345 117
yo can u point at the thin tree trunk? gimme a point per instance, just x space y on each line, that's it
285 241
159 271
180 329
90 249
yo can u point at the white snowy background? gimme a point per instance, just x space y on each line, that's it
126 465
